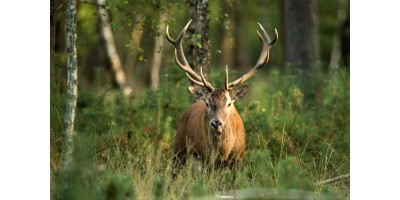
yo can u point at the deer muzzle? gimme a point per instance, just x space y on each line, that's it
217 125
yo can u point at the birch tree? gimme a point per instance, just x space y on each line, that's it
157 53
107 35
72 82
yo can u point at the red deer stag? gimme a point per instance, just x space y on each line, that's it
211 128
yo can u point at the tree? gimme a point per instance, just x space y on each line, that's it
300 34
107 35
240 56
227 46
157 52
337 49
199 53
55 7
72 81
134 44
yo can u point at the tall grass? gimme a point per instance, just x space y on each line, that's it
297 134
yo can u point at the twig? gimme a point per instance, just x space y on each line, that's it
338 178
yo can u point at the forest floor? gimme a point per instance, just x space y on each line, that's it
297 135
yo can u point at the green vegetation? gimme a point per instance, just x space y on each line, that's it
297 135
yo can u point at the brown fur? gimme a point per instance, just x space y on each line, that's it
196 137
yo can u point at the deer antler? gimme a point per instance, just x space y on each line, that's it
262 60
184 65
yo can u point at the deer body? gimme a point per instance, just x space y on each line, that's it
211 129
196 137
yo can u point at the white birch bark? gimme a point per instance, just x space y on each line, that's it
72 82
107 35
157 53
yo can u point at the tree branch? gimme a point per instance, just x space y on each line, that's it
338 178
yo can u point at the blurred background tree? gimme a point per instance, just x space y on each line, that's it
300 34
112 53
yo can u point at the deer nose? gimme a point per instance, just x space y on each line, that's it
216 123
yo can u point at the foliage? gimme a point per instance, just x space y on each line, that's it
296 135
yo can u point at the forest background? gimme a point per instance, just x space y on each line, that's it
131 96
278 157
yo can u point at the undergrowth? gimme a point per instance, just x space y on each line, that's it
296 136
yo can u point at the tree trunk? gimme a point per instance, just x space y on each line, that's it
227 49
241 51
199 28
107 35
136 36
345 40
72 82
157 52
336 54
227 38
55 6
301 45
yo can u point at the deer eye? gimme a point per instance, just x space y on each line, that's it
229 105
207 104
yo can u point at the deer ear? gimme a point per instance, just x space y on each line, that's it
197 93
240 92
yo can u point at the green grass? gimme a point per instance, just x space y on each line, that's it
296 135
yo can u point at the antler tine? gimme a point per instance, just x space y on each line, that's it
182 66
226 78
180 36
179 54
194 81
203 83
268 40
206 83
262 60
